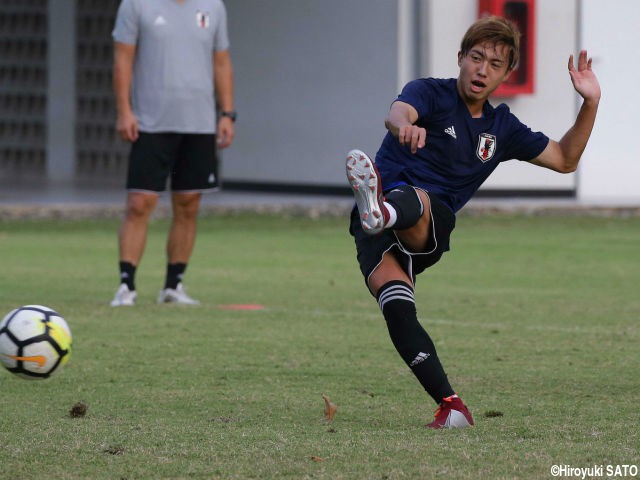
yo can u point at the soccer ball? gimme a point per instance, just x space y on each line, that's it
35 342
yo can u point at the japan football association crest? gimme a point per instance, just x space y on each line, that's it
486 147
202 19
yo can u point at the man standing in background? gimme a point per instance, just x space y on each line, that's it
171 65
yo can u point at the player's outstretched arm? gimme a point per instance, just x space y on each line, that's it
400 122
563 156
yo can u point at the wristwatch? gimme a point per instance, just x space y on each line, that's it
232 115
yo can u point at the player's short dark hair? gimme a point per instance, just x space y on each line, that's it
495 30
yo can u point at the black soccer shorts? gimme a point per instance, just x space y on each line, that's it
371 248
188 159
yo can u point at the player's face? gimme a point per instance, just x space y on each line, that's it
482 70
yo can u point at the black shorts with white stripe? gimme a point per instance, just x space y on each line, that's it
371 248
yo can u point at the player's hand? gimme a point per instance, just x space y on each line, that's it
412 136
583 78
226 132
127 127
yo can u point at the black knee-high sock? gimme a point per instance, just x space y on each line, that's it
128 275
407 205
412 342
175 272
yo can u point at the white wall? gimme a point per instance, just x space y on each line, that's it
315 79
610 167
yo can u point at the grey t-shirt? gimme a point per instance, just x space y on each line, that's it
173 84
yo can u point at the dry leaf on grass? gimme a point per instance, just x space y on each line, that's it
330 408
317 459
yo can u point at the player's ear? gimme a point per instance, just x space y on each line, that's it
459 58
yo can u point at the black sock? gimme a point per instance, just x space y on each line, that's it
128 275
407 204
175 272
411 340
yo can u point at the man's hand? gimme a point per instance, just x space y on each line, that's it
226 132
583 79
413 136
127 127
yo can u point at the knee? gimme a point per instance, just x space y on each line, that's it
407 204
186 206
416 237
140 206
426 206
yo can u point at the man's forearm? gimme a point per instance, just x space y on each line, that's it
224 84
575 140
400 115
122 77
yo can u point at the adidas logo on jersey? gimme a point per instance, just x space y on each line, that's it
159 20
451 131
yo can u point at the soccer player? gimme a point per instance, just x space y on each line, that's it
171 66
444 139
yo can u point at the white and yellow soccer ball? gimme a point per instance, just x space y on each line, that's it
35 342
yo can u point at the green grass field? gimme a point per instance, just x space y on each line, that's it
535 319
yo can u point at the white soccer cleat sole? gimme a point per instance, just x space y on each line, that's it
367 190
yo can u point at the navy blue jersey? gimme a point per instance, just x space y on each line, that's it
460 151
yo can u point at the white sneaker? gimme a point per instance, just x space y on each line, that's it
124 297
169 295
365 183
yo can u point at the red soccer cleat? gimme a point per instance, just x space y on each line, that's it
452 413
